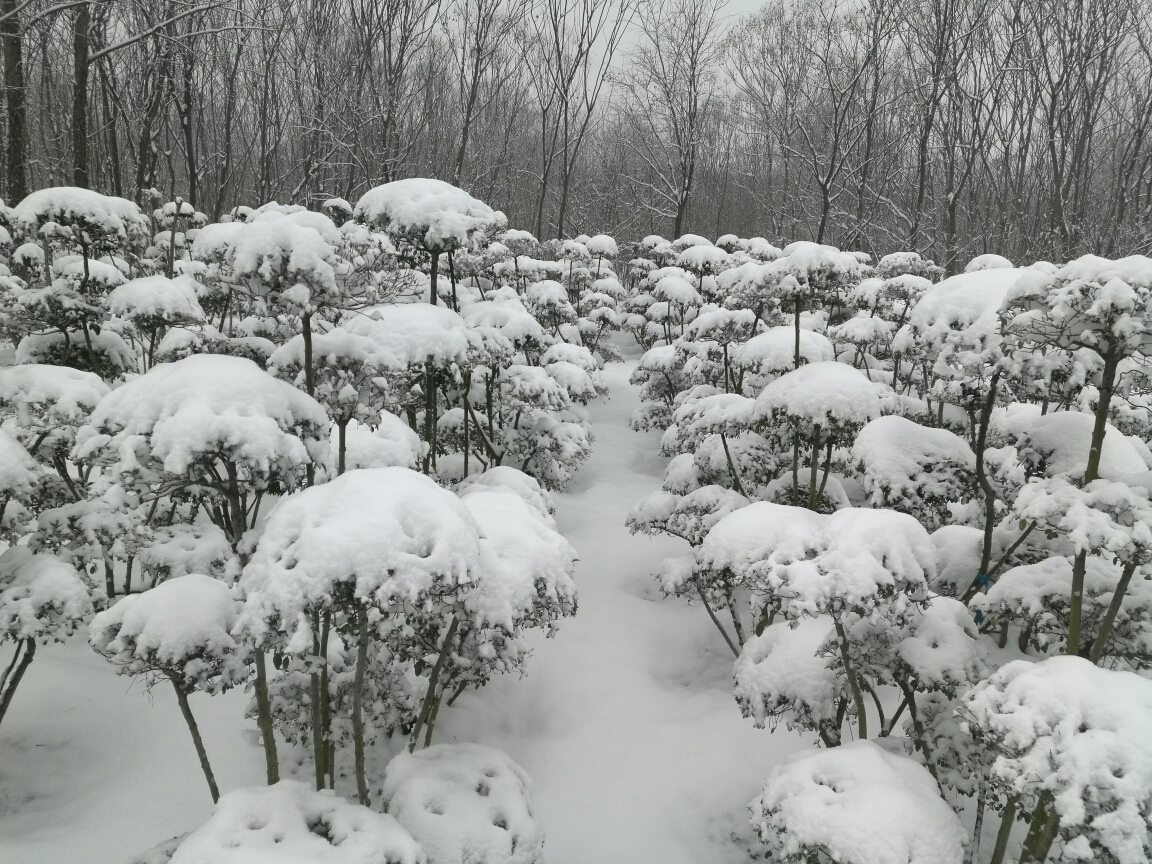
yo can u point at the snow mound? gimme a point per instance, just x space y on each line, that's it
291 824
415 333
505 477
858 804
66 394
774 350
988 262
781 669
465 803
158 297
1063 440
392 444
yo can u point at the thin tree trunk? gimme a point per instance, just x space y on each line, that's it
182 698
1007 821
319 746
80 97
357 702
429 415
342 451
972 853
1101 641
12 680
737 624
467 388
264 720
15 96
432 273
433 680
1041 831
853 681
716 621
812 469
1080 566
325 707
736 484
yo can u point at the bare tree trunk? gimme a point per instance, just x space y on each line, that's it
80 97
264 719
15 96
358 703
14 673
201 753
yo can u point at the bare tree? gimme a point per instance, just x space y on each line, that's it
671 82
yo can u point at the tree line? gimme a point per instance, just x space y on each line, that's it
948 127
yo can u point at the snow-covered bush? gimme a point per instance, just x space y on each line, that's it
288 822
914 469
181 631
465 803
856 804
42 600
1071 741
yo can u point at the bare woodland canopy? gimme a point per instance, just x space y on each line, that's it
952 127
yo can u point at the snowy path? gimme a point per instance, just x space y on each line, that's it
625 720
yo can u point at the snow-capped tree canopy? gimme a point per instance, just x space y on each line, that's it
103 220
41 597
389 535
914 469
182 627
181 417
430 214
157 299
827 394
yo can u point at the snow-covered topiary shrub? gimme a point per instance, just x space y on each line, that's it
856 804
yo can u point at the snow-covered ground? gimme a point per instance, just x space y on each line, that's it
626 720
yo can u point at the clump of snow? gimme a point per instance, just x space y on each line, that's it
751 532
158 298
774 350
392 444
290 823
505 477
524 561
465 803
415 333
856 804
780 675
988 262
177 550
431 214
1062 441
64 395
823 394
68 205
912 468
